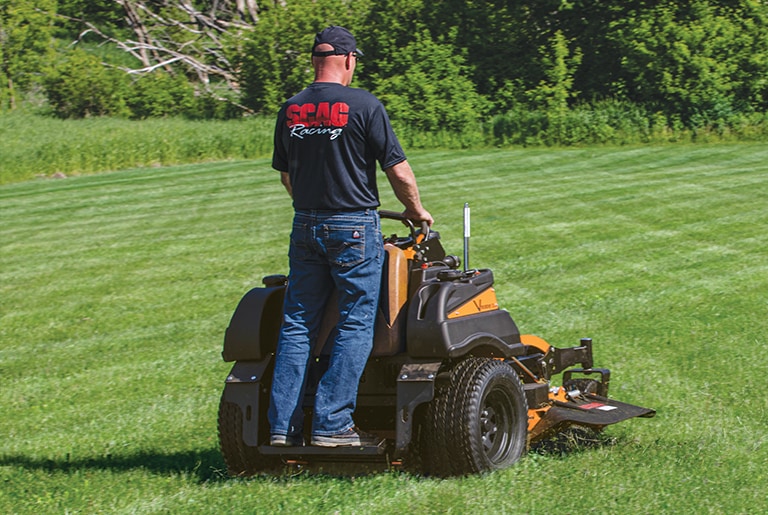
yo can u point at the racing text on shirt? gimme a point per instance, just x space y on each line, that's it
317 119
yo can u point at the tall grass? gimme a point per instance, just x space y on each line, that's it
115 290
33 146
615 122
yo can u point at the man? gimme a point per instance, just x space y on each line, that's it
328 140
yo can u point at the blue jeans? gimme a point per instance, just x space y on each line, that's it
328 250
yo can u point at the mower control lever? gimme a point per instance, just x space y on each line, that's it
394 215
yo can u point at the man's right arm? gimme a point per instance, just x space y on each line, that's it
403 183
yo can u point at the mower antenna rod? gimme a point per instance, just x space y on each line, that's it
466 236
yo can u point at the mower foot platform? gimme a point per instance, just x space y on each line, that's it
315 451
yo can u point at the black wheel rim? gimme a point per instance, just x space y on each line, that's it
496 420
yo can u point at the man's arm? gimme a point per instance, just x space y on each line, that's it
286 180
403 183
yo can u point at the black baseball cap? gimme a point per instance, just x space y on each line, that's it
342 41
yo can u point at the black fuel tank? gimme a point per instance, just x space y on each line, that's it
432 333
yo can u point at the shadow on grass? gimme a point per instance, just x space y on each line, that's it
205 465
208 465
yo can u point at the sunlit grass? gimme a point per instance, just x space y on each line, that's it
115 290
36 146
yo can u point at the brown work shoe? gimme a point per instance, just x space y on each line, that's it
353 437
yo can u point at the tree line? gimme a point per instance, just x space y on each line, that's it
448 66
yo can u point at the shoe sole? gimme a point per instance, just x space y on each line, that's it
336 444
285 443
348 443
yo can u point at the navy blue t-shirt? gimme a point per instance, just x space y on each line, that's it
329 138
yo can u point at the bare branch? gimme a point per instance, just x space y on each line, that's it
154 66
173 33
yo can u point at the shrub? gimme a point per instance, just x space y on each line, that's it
160 94
603 122
80 86
429 91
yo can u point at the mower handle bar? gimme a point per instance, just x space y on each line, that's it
394 215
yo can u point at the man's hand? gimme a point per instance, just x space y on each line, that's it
421 215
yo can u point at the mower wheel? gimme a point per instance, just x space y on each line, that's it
478 421
241 459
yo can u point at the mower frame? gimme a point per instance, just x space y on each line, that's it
449 371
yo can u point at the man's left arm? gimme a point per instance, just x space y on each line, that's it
286 180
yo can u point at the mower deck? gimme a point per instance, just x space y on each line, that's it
589 410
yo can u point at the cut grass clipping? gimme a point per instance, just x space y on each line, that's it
115 291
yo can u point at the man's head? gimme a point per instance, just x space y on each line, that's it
335 40
334 55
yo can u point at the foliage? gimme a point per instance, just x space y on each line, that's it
26 29
427 90
699 63
693 58
80 86
388 28
555 91
74 13
160 94
610 122
500 38
35 146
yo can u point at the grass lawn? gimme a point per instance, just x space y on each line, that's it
115 291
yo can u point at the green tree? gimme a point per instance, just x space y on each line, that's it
696 59
553 93
502 40
558 62
26 46
388 27
103 13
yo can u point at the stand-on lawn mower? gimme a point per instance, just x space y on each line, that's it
451 385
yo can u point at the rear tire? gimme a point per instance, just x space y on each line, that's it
241 459
478 422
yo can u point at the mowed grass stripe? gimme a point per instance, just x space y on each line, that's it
122 264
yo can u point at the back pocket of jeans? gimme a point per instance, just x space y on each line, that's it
345 244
